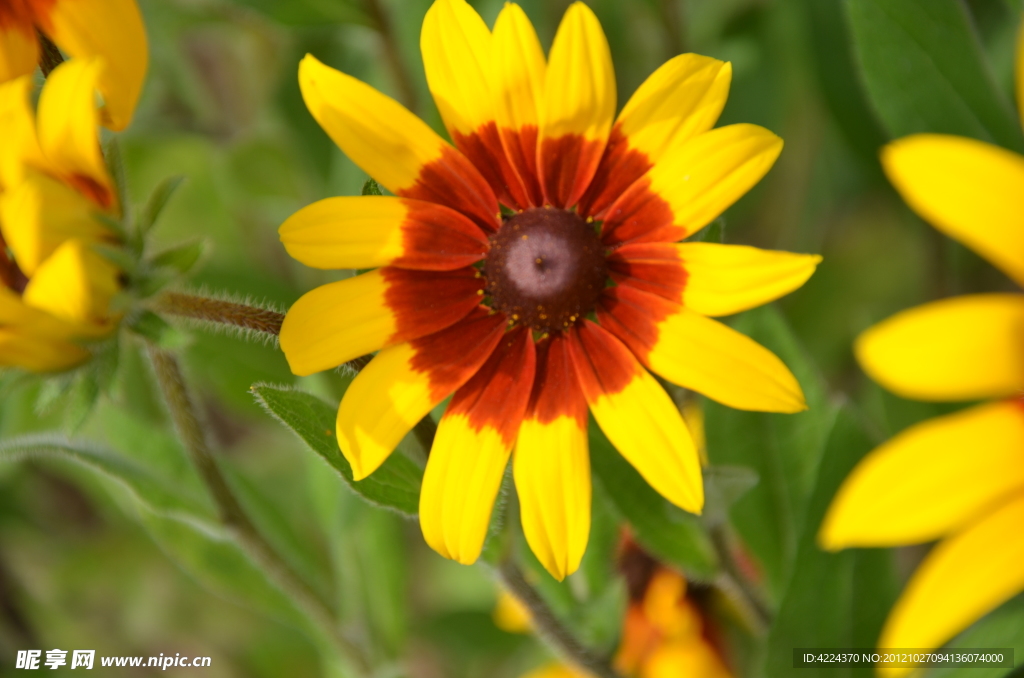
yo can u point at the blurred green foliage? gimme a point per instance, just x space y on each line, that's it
118 549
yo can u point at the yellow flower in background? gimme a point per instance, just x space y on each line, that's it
109 29
567 302
958 478
55 289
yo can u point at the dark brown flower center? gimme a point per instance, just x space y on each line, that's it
546 268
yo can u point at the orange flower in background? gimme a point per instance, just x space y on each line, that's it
564 302
55 289
664 632
960 477
109 29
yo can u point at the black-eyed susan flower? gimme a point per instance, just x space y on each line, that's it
564 302
958 478
55 288
111 30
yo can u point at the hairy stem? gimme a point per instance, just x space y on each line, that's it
549 627
49 56
193 436
382 22
222 312
734 584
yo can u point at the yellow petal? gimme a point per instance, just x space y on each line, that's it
963 578
699 353
962 348
460 485
511 615
392 145
75 284
518 77
404 382
638 416
40 214
552 474
456 47
17 315
518 70
343 320
20 147
727 279
112 30
471 450
970 190
19 50
68 128
555 671
931 459
579 105
692 184
684 658
370 231
337 322
36 354
680 100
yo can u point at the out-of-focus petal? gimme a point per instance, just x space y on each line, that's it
961 579
951 470
963 348
40 214
970 190
76 285
68 129
112 30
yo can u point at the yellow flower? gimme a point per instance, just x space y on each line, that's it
110 29
54 288
958 478
562 304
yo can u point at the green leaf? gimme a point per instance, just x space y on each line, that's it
832 599
395 485
143 484
157 202
782 449
666 532
181 258
925 72
371 187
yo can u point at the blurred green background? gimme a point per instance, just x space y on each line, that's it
82 565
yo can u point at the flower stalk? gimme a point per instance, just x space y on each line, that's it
232 515
549 627
243 316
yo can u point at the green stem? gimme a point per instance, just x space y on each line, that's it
233 516
549 627
736 586
222 312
